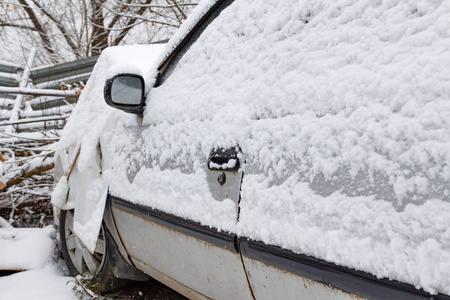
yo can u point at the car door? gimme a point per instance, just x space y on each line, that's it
329 177
176 204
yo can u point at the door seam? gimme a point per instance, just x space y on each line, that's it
238 244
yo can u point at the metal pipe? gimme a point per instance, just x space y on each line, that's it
23 84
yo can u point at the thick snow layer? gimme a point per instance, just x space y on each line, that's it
92 113
32 250
44 284
340 83
342 112
59 195
25 249
90 119
361 232
341 109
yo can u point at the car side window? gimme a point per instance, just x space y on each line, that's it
170 64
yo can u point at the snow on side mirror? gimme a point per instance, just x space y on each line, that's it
126 92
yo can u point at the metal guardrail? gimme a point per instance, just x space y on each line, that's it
9 74
46 109
6 67
69 73
8 80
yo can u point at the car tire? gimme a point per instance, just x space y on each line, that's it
96 267
77 257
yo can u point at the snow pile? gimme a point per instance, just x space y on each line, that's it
44 284
26 248
31 249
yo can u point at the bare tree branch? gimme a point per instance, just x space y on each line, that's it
18 26
131 21
62 29
117 17
27 172
156 5
48 46
125 27
82 28
179 9
99 34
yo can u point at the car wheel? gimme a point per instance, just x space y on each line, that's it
79 259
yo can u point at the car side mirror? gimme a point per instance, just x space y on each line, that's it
126 92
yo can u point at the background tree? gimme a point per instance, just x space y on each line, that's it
73 29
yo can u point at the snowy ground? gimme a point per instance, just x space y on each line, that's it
33 251
30 268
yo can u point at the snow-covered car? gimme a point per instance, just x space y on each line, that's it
274 150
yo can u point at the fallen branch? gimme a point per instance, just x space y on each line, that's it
36 167
34 120
38 92
24 189
45 155
88 292
30 136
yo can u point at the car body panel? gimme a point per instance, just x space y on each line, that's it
268 283
170 282
188 256
268 265
212 268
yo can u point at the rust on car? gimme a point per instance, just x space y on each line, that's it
306 281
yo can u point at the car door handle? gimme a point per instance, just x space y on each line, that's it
224 159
